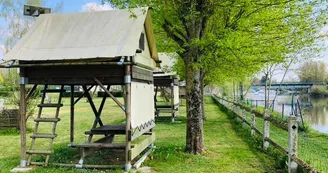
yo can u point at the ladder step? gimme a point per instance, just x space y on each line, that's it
38 152
37 163
43 135
50 105
53 90
54 120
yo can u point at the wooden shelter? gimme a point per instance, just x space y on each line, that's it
167 84
90 49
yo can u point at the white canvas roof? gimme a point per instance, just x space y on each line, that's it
87 35
168 59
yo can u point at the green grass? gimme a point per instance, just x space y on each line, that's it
312 145
228 148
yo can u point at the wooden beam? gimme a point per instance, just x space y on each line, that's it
100 110
81 96
142 158
72 117
31 92
141 146
110 94
92 104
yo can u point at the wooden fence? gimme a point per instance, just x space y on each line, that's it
9 119
240 110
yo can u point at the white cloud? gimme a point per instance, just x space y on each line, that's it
93 6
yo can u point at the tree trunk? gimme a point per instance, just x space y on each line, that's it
194 135
265 92
202 85
241 91
233 90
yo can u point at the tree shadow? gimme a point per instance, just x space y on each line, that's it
255 143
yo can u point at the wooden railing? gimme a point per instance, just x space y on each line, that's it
240 110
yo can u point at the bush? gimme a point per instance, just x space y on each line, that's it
319 90
3 92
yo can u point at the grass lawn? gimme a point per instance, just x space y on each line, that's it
312 145
228 149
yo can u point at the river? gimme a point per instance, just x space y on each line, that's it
314 110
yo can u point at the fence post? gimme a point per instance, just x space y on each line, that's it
237 110
243 114
266 129
283 110
292 144
253 122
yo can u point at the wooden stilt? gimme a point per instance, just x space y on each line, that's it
172 101
127 80
94 109
22 121
72 117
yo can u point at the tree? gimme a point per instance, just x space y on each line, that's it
313 71
18 24
236 36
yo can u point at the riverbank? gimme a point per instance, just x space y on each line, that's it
228 149
319 91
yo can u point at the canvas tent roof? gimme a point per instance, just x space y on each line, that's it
168 59
86 35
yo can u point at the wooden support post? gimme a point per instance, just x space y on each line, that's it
283 111
172 101
127 81
22 119
72 117
266 129
243 114
292 144
253 122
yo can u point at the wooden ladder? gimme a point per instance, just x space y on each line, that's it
39 120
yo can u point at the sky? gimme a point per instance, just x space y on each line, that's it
75 5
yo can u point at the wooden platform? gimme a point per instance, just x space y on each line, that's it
102 145
108 129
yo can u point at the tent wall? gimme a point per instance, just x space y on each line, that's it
142 99
176 95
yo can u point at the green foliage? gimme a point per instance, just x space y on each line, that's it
9 132
11 91
319 90
313 71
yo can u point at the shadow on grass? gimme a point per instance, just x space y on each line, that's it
255 143
13 131
168 119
